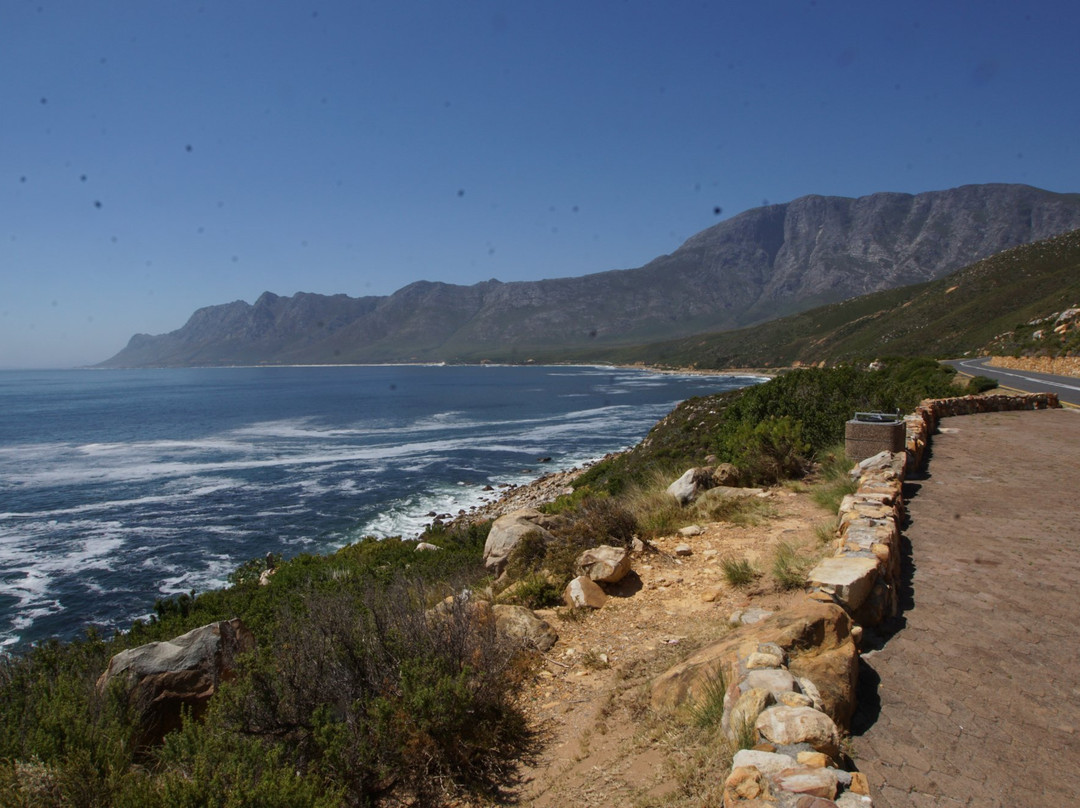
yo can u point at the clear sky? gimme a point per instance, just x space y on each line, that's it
156 157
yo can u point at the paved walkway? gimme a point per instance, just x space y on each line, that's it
980 686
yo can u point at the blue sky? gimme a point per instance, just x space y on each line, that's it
156 157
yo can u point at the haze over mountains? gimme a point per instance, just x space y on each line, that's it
762 264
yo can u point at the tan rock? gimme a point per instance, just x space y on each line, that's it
805 780
791 699
834 674
816 637
163 679
712 594
859 784
791 725
849 578
775 680
521 624
815 760
768 763
746 711
507 531
763 660
807 801
744 783
604 564
583 592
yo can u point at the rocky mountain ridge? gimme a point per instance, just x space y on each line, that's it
757 266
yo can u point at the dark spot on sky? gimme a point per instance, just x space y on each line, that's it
574 209
984 72
82 178
54 304
765 201
393 387
461 192
847 57
97 203
717 210
1019 155
592 334
44 100
235 258
22 179
188 148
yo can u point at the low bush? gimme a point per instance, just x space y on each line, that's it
770 430
595 521
789 567
980 384
738 572
832 481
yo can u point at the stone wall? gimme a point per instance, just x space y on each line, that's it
1056 365
795 761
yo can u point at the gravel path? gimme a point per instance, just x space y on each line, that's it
979 696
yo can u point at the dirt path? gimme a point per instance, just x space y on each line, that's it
602 745
980 688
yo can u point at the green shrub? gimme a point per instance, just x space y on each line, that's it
980 384
834 480
767 451
527 557
536 591
789 567
707 710
738 572
595 521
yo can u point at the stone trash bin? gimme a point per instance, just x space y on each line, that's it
871 432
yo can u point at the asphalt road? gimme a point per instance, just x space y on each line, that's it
1066 387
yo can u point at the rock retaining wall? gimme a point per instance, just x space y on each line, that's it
795 761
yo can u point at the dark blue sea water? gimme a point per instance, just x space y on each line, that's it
121 486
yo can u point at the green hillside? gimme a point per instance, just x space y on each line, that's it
961 313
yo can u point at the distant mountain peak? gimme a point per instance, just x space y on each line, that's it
759 265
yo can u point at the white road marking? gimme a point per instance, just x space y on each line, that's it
1019 376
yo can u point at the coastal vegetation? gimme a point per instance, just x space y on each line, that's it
375 679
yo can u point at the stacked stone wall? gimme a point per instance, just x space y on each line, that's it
794 762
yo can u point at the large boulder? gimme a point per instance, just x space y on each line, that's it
583 593
508 530
604 564
163 678
518 623
787 726
816 639
693 482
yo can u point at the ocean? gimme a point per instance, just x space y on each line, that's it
118 487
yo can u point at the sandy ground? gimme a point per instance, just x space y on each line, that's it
588 700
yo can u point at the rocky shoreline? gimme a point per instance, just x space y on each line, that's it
514 497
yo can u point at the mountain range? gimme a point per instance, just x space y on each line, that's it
1000 304
762 264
